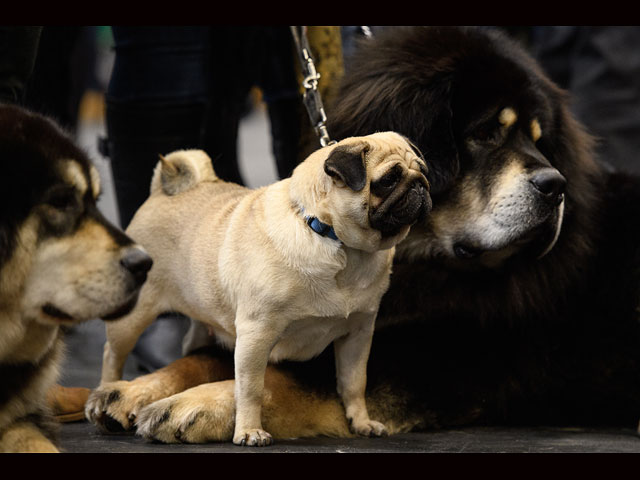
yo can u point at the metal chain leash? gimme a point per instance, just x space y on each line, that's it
366 31
311 98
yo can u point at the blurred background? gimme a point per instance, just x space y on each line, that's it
95 50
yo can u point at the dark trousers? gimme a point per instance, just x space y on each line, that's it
186 87
18 49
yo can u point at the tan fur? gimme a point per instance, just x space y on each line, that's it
245 262
123 401
39 341
24 437
90 254
192 400
536 130
74 175
95 182
12 287
205 413
508 117
202 409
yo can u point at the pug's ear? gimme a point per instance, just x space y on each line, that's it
346 163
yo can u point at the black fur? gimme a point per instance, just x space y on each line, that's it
553 341
347 164
17 377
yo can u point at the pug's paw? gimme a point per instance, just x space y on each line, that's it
255 437
369 428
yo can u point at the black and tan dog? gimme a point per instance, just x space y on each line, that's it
515 302
61 262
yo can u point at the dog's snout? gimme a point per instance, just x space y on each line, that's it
549 182
401 210
138 263
424 193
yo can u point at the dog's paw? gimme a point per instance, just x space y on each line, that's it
253 438
114 407
369 428
199 415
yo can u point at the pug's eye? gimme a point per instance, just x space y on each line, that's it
385 184
389 180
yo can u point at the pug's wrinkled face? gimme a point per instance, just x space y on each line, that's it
380 190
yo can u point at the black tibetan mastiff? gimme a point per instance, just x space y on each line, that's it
61 262
514 303
517 301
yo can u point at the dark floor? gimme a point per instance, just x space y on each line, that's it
83 438
83 369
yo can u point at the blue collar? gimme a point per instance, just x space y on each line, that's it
320 228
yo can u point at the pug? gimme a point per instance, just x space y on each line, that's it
278 272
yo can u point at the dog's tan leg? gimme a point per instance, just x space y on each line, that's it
254 342
206 413
115 406
352 354
25 437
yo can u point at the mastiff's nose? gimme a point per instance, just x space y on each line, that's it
549 183
138 263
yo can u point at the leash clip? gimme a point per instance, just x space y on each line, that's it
311 98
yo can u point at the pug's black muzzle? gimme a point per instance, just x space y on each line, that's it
400 209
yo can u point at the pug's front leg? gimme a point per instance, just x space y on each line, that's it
352 354
254 342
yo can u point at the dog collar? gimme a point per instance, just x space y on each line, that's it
320 228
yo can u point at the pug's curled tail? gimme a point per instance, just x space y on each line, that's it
180 171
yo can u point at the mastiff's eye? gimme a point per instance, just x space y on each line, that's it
62 198
484 133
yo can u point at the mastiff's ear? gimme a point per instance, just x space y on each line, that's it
346 163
